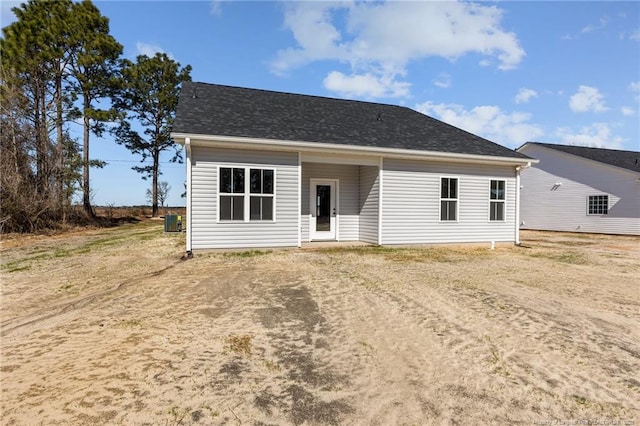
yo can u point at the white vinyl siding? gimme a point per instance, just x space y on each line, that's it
555 193
369 194
348 219
208 233
411 207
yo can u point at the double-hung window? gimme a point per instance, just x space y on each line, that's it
598 204
261 198
232 193
496 200
246 194
449 199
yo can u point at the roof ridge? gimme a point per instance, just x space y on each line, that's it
279 92
581 146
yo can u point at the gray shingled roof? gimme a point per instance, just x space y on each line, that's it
212 109
629 160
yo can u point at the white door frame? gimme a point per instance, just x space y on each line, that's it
332 234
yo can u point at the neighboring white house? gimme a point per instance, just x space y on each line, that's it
267 169
581 189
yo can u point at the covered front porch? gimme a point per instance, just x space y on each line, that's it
340 198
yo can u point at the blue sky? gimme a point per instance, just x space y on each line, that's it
559 72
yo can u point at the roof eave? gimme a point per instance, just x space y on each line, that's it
274 144
602 163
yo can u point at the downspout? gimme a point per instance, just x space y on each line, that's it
299 199
380 224
518 169
187 144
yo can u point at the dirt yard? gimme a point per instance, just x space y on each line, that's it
111 327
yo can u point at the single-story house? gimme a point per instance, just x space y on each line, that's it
581 189
271 169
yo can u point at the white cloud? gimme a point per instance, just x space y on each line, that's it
634 87
373 43
365 85
627 111
597 135
587 99
216 7
631 35
310 23
524 95
489 121
604 21
150 50
443 80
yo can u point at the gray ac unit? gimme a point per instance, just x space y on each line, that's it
172 223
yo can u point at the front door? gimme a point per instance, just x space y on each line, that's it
323 210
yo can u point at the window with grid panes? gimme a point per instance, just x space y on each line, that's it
598 204
448 199
496 200
246 194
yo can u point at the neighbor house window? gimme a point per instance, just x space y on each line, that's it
598 204
238 203
261 198
496 200
449 199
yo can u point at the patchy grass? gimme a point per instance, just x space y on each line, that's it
143 231
368 349
571 258
412 254
16 267
239 343
272 366
177 414
130 323
65 287
247 253
24 264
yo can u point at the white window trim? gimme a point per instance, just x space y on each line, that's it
504 201
247 194
597 214
440 199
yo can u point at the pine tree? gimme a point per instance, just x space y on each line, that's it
34 57
150 95
56 52
95 69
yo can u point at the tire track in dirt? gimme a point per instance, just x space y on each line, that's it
64 311
465 322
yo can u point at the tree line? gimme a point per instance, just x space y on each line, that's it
61 67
